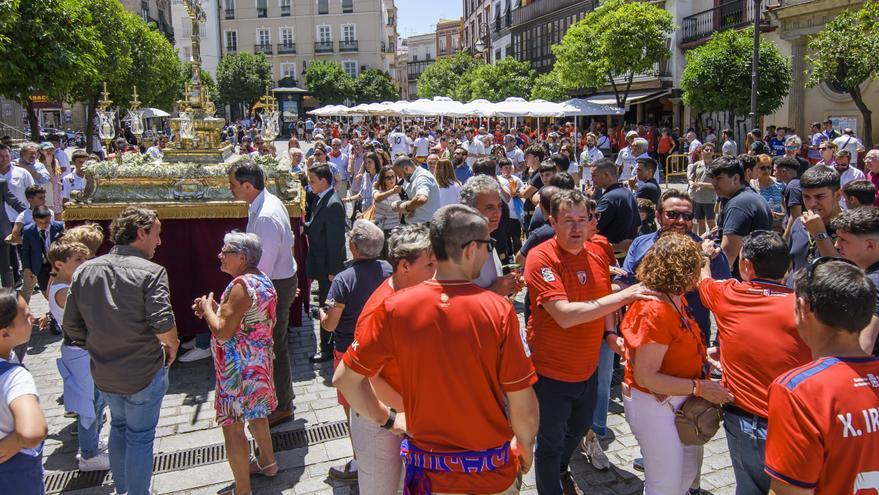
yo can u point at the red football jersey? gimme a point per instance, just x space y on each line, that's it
459 350
824 426
552 274
390 372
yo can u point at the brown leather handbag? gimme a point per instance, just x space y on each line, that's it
697 421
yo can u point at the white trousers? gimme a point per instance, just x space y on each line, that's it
379 465
669 466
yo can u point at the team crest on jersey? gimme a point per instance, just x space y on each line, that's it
547 274
581 276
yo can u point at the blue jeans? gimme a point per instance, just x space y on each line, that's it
746 438
203 340
604 374
132 432
89 438
566 410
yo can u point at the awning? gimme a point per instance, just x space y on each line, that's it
634 98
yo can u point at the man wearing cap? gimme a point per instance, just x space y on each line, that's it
627 159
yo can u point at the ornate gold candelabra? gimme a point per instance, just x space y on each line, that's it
106 119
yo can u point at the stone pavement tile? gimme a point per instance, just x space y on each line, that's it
192 478
721 477
338 449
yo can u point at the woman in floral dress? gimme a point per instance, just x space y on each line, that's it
241 327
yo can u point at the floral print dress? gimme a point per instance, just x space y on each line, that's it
243 364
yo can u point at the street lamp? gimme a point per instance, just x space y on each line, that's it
755 65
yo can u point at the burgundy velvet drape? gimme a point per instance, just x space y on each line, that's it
189 253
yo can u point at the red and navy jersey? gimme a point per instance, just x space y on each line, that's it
824 426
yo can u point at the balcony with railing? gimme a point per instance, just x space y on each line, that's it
287 47
733 14
262 12
230 13
348 46
323 47
265 48
414 69
285 10
539 8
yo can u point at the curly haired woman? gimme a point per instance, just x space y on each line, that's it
665 357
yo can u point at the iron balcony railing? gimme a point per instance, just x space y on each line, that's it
323 47
263 48
230 13
733 14
348 46
286 47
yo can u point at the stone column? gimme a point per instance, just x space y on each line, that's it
797 97
675 112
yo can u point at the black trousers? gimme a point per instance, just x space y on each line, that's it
6 278
325 345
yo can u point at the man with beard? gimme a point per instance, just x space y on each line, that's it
421 189
846 172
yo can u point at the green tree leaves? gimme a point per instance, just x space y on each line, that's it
508 77
442 77
328 82
242 78
372 86
617 40
548 87
717 76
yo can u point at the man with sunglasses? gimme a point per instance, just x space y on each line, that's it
813 235
823 435
459 351
758 342
792 147
742 209
572 306
857 239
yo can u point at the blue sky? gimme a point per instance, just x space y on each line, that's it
420 16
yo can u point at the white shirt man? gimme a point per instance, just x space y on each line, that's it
61 156
849 142
18 179
269 219
400 143
475 150
71 182
422 147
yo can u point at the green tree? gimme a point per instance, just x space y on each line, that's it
328 82
242 78
442 77
508 77
717 76
844 53
53 45
373 85
548 87
613 42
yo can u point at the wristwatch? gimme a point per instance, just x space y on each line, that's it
821 236
392 416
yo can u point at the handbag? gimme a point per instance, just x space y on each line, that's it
697 420
369 213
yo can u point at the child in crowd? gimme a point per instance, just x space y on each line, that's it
859 193
75 179
22 424
80 394
35 196
647 212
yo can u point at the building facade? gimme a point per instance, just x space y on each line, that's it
539 24
421 52
501 36
156 11
209 34
359 35
477 29
449 36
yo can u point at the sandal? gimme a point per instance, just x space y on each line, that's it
269 471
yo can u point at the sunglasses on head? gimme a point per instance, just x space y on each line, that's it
684 215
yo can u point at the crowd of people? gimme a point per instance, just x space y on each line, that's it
420 242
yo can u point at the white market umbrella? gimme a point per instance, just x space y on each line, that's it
149 113
581 106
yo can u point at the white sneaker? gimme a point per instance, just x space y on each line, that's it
595 454
195 355
100 462
189 344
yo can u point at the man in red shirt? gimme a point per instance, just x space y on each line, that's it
824 416
569 281
758 342
461 357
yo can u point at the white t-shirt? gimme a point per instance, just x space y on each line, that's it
511 186
422 147
14 384
694 146
516 156
400 144
490 271
850 143
26 217
450 195
474 148
844 178
18 180
627 161
71 182
589 156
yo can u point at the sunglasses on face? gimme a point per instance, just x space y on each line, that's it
489 243
683 215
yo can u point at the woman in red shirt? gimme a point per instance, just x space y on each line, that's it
666 147
665 356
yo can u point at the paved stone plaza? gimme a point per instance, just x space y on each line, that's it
187 421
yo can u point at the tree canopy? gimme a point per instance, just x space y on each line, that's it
46 46
373 85
844 52
614 42
442 77
242 78
548 87
328 82
508 77
717 76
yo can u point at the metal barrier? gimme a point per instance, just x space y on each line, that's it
676 165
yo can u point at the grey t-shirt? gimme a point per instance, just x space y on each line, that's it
698 172
422 182
352 287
